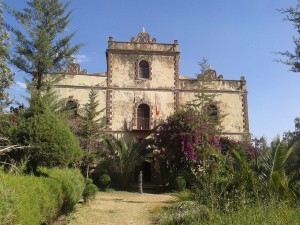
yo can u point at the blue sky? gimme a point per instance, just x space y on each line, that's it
238 37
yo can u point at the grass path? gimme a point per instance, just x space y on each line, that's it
121 208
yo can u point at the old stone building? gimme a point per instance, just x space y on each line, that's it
142 86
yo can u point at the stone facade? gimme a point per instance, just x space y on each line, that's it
142 86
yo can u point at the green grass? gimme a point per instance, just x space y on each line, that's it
273 213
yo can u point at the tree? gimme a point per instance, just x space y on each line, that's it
40 49
182 141
6 75
204 104
293 58
183 138
91 130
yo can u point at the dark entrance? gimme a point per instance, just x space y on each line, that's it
145 167
143 117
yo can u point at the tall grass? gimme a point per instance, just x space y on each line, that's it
273 213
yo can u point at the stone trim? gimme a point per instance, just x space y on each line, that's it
245 113
109 69
109 110
135 107
176 80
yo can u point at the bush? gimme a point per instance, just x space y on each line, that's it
178 184
72 183
29 200
38 200
53 144
104 181
90 190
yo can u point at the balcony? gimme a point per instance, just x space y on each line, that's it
140 123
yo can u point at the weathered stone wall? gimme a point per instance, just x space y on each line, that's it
78 86
121 91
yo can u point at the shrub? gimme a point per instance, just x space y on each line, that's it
104 181
178 183
90 190
72 183
53 144
29 200
38 200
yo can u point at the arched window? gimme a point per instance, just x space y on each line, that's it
144 69
143 117
212 111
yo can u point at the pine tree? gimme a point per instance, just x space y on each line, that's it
293 58
6 75
205 105
91 130
41 48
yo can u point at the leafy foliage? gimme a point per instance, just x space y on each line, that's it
182 141
43 199
127 156
90 190
52 143
104 181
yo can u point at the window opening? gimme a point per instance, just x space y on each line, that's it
144 69
143 117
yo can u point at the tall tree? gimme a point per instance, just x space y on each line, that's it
205 105
6 75
41 48
91 130
293 58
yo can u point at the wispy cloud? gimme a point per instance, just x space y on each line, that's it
21 85
82 58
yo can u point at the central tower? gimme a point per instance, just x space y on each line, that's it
142 82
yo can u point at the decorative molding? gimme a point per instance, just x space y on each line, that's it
209 74
74 68
143 37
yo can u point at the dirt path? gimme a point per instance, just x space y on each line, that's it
121 208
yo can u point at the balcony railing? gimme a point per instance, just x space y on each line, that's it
140 123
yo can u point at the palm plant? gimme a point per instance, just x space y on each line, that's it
127 155
273 171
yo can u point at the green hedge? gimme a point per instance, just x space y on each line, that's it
38 200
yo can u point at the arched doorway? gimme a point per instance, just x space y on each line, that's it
143 117
145 167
